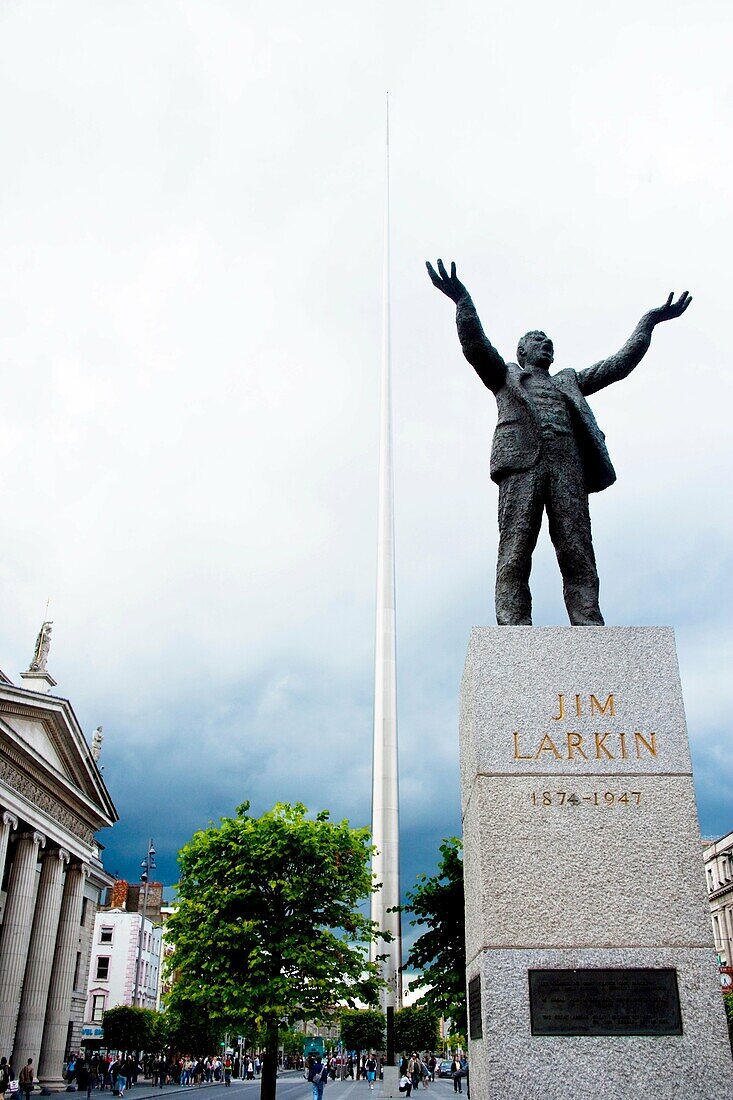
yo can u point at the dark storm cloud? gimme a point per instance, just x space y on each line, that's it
189 348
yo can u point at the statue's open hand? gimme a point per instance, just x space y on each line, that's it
670 308
451 285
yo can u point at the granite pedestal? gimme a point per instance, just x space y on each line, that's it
583 872
389 1086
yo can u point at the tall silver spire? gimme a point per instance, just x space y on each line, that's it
385 795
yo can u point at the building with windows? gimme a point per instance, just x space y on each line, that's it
123 934
53 801
718 857
166 975
113 965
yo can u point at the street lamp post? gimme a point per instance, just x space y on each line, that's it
148 865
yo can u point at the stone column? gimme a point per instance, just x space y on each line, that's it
16 931
40 958
8 822
58 1005
590 964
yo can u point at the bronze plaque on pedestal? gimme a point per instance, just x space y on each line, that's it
475 1021
605 1002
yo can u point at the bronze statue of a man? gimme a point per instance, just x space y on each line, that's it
548 452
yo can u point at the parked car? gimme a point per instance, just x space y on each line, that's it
445 1069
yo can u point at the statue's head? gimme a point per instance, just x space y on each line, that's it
535 350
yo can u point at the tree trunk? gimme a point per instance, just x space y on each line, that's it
268 1084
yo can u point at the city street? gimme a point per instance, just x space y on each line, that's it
290 1085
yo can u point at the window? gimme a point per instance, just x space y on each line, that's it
105 934
102 967
84 907
97 1007
77 968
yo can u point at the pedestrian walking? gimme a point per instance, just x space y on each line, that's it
124 1072
4 1077
413 1070
371 1070
425 1072
83 1078
318 1075
456 1073
6 1074
26 1079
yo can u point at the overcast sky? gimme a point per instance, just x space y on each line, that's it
190 291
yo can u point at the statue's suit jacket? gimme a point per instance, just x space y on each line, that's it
517 438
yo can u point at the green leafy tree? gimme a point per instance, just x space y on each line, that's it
252 1031
439 953
128 1028
187 1031
268 922
456 1041
291 1041
159 1033
362 1030
416 1028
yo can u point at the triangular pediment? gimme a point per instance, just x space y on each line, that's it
41 735
35 734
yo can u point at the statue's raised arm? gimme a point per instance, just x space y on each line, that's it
620 365
477 347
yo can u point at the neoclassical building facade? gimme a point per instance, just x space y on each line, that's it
53 800
718 856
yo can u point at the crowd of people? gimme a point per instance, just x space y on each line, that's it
117 1073
414 1070
420 1069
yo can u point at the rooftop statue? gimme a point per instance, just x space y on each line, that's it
548 452
43 645
97 739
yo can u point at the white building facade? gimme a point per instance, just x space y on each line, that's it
113 965
52 802
718 856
